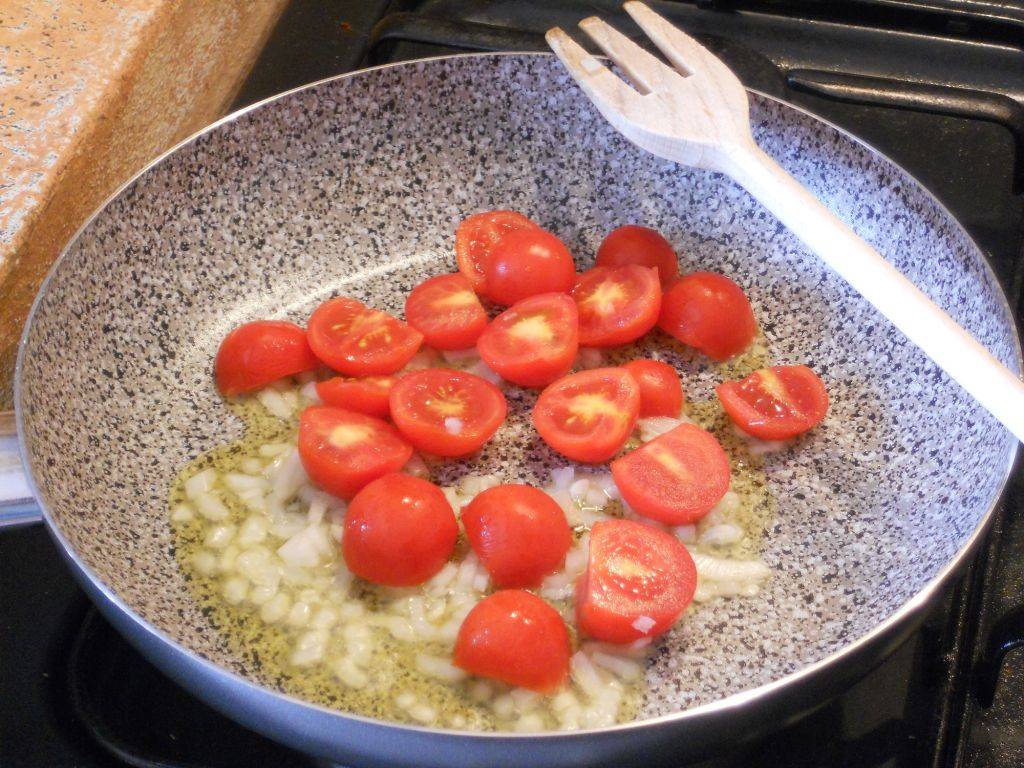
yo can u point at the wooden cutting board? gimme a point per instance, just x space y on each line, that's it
89 92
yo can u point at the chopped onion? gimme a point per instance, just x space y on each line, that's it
211 507
721 535
643 624
305 548
655 426
183 513
274 403
200 483
440 668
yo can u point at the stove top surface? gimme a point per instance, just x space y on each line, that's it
938 85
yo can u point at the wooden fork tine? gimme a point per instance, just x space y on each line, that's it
644 70
608 91
685 53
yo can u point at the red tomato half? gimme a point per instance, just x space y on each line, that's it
342 451
661 394
633 244
399 531
775 403
361 341
255 354
709 312
525 263
587 416
367 395
447 312
446 412
476 237
519 533
676 478
533 342
638 582
617 305
517 638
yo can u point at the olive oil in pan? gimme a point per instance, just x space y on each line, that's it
267 648
392 669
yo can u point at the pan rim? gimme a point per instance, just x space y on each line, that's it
904 613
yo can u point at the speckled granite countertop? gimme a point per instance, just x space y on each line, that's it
89 91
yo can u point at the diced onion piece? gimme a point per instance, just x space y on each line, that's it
211 507
653 426
310 648
275 403
219 536
276 608
200 483
183 513
721 535
442 669
235 590
643 624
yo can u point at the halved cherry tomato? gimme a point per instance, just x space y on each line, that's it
533 342
638 582
342 451
519 533
676 478
709 312
587 416
399 531
775 403
367 395
661 394
527 262
447 312
477 235
517 638
633 244
617 305
255 354
446 412
361 341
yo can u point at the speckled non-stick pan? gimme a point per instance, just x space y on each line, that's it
355 185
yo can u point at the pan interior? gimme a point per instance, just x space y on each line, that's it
355 186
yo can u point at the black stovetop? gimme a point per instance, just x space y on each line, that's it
936 84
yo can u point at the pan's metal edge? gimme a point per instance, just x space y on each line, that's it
906 612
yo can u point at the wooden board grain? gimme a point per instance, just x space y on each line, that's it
98 89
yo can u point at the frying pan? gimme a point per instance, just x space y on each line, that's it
354 185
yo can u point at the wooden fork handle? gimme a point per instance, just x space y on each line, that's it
952 348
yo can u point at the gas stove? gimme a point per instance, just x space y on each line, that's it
938 85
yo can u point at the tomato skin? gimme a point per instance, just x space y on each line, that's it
256 354
617 305
358 340
775 403
676 478
534 341
399 531
587 416
476 237
710 312
342 451
367 395
661 393
637 578
422 403
515 637
519 533
528 262
447 312
633 244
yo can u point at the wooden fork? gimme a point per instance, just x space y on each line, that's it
696 113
